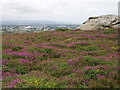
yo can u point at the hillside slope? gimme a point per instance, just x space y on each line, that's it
61 59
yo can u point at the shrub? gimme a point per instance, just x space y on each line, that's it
62 29
111 31
104 83
48 51
93 61
17 48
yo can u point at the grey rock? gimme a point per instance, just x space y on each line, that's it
101 22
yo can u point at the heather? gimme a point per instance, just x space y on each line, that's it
60 59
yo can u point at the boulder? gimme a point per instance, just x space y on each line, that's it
101 22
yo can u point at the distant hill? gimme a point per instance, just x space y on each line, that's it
10 22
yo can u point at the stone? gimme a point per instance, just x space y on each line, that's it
101 22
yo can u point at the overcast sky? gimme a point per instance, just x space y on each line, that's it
75 11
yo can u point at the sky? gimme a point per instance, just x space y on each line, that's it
73 11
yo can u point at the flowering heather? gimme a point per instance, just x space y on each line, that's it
115 54
73 31
87 35
7 50
87 67
100 76
60 59
49 47
9 74
24 61
4 61
13 83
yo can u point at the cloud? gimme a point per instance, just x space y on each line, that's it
57 10
17 8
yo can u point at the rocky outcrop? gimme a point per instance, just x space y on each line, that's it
101 22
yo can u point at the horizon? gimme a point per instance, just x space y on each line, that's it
40 21
35 22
